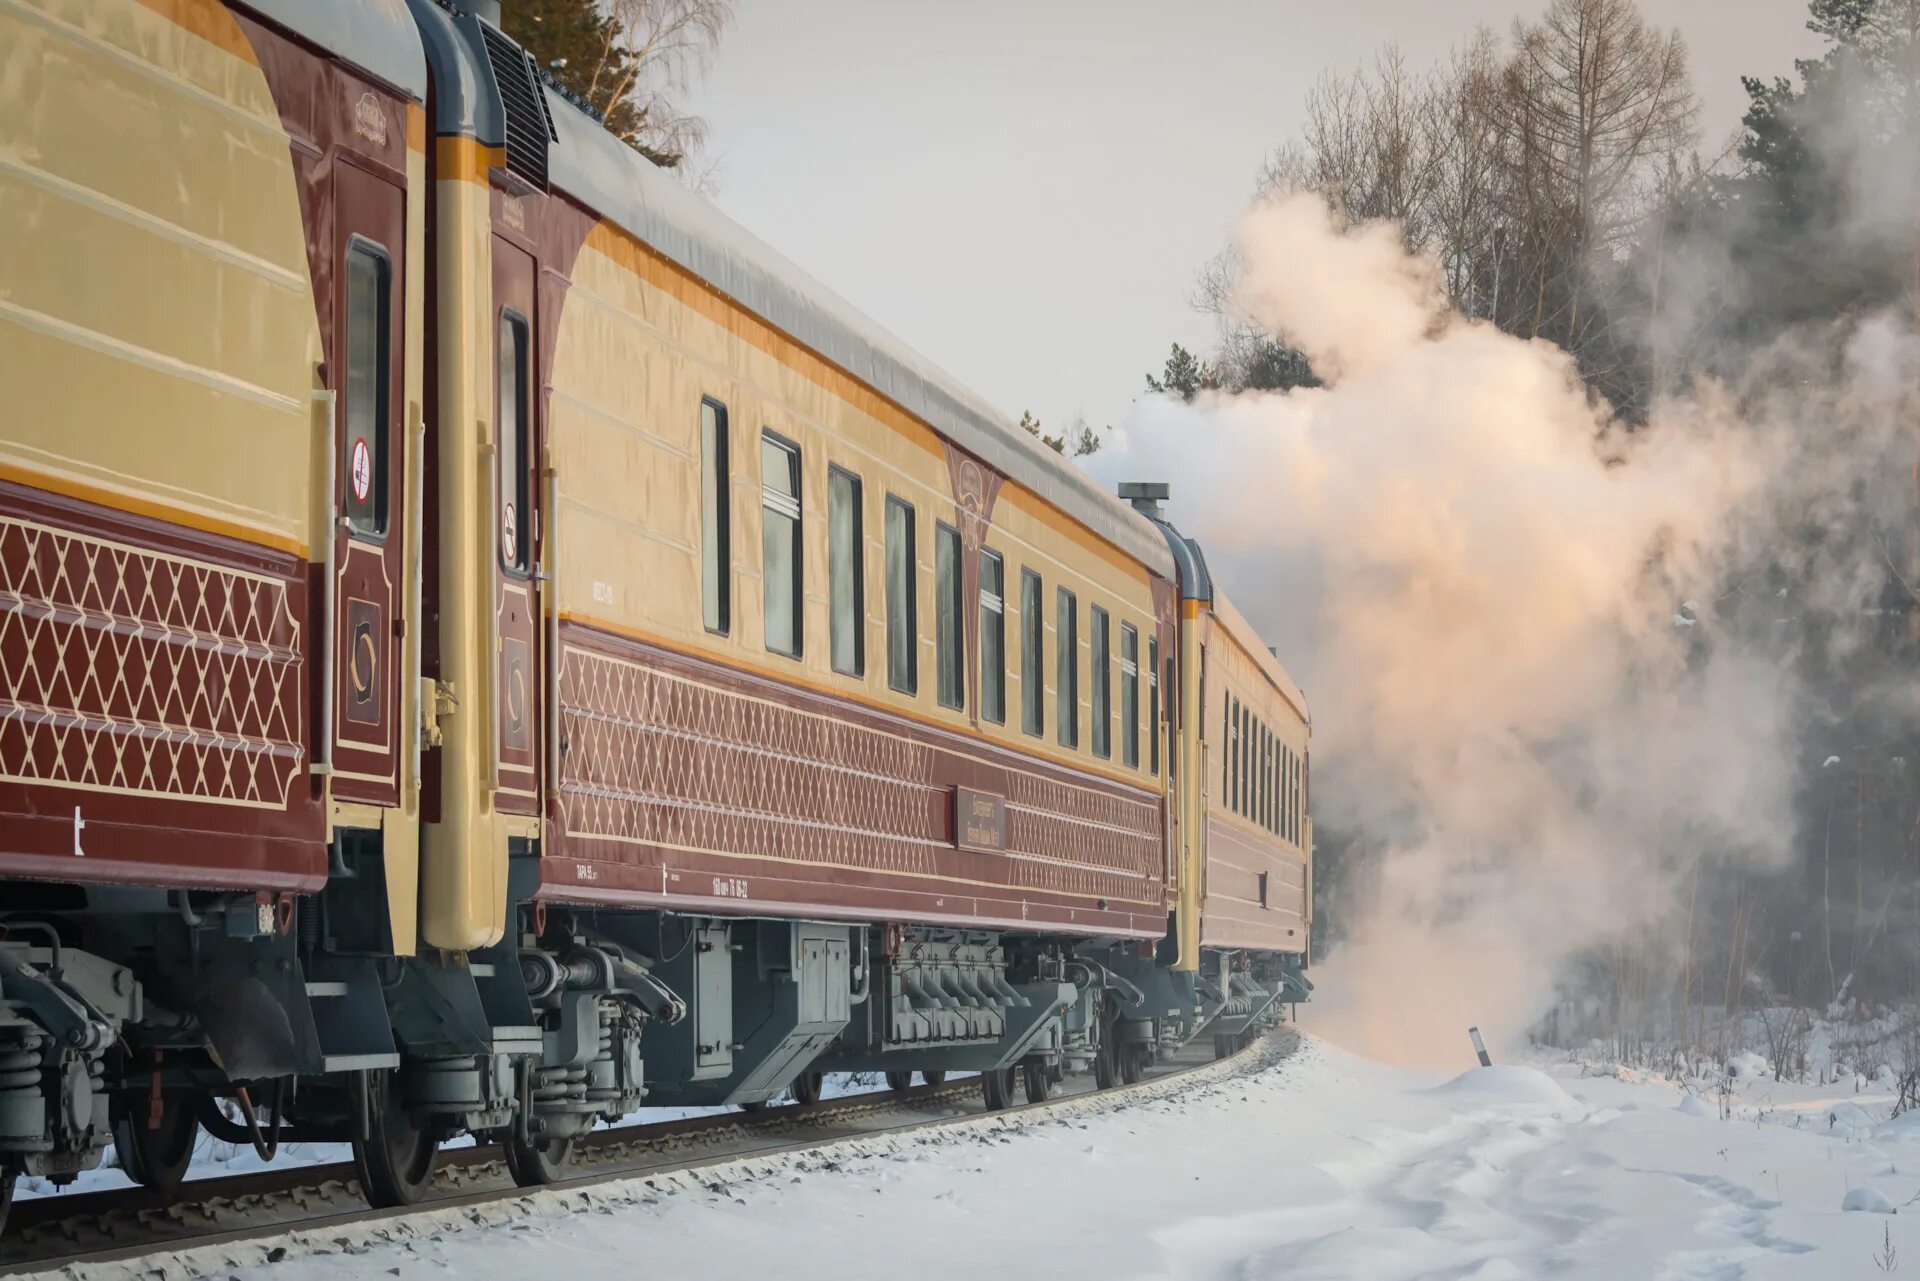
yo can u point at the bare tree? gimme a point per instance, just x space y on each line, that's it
668 44
1596 106
632 60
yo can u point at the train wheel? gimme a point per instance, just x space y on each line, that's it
1039 1081
934 1078
807 1086
897 1081
1106 1072
996 1087
394 1152
537 1162
155 1157
1133 1063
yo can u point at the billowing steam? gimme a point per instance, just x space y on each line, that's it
1499 602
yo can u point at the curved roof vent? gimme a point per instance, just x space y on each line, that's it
524 104
1146 496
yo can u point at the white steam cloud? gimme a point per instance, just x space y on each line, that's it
1478 577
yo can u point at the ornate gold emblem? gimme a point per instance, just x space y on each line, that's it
369 121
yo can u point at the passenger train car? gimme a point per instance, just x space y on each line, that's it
486 645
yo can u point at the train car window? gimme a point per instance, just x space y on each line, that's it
363 443
1298 829
1263 889
1153 709
1263 767
1268 778
1259 808
1033 649
716 520
1292 797
1066 642
780 553
1276 774
1129 696
1239 758
846 574
1286 793
1100 651
1250 765
1249 770
993 638
1246 761
1245 765
515 533
949 642
1226 753
1257 772
1232 752
1267 789
903 632
1283 769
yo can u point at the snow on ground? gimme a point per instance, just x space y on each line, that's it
1326 1166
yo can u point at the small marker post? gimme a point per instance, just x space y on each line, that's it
1480 1047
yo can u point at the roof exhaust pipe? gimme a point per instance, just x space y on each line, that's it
1146 496
486 10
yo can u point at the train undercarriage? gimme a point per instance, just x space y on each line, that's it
142 1017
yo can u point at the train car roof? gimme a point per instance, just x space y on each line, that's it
622 186
378 36
1230 619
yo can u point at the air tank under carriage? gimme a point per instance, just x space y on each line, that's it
490 646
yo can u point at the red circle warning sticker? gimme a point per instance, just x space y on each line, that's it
360 469
509 535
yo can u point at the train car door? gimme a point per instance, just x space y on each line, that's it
516 526
368 562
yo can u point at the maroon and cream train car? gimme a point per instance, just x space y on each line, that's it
211 286
486 644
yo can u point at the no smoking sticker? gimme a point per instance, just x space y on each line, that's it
360 469
509 535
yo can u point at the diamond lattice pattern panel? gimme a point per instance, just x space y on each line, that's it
655 758
137 672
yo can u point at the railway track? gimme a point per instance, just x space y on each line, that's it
263 1217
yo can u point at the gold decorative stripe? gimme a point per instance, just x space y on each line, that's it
209 20
153 509
159 362
462 159
296 281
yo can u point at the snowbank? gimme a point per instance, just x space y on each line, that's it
1511 1085
1867 1201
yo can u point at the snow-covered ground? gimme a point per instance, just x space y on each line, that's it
1327 1166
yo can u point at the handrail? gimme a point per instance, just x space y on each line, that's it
416 543
549 526
328 643
491 605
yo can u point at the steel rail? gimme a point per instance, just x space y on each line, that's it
71 1233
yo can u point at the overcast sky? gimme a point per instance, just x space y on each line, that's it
1023 189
